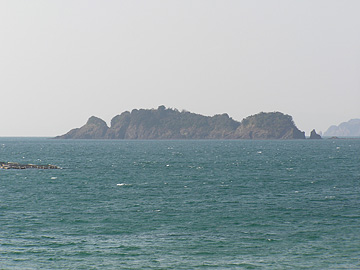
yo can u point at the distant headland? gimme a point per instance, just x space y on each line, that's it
345 129
167 123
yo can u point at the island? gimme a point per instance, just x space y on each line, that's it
345 129
166 123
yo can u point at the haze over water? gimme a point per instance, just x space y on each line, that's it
181 205
63 61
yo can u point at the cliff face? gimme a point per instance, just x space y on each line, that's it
171 124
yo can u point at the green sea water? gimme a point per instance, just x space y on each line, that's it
181 204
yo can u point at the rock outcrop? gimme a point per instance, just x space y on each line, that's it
163 123
18 166
314 135
95 128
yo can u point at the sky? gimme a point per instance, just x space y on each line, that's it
62 61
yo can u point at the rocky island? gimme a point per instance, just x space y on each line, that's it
166 123
314 135
18 166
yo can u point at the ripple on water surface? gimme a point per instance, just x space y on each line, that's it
181 205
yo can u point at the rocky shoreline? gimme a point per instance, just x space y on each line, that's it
18 166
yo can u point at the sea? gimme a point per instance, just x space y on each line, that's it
199 204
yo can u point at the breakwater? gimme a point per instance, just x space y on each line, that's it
18 166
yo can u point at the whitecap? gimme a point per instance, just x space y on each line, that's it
123 184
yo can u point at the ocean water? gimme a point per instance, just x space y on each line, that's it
181 205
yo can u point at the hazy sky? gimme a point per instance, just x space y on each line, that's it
64 61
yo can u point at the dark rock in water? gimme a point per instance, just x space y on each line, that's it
165 123
314 135
18 166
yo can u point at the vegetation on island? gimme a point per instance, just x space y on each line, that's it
167 123
275 125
